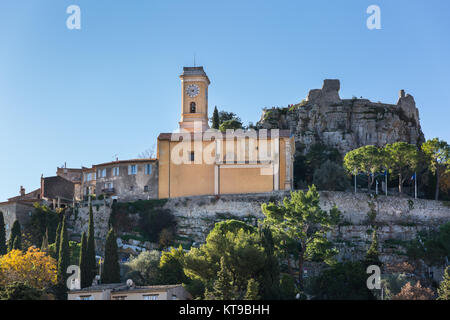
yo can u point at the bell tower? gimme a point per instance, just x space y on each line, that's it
194 98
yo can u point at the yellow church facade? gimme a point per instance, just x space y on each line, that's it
197 160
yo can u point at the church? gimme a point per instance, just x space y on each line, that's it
197 160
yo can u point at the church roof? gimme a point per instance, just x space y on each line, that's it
193 71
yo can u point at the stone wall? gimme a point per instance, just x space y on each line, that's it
399 219
79 222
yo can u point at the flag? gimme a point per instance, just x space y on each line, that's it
413 177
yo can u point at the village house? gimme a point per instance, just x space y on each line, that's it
123 291
124 180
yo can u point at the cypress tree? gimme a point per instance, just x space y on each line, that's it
16 236
215 119
44 246
3 248
91 264
84 274
270 279
252 290
17 244
64 254
58 236
63 263
111 269
444 287
372 254
224 288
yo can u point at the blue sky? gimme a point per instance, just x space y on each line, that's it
84 96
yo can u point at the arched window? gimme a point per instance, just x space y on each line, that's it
192 107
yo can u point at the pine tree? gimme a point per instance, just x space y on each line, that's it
15 239
252 290
84 274
64 255
3 248
224 288
444 288
215 119
91 264
111 269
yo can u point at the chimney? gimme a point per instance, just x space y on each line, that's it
402 93
22 191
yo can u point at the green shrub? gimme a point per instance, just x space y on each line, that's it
331 176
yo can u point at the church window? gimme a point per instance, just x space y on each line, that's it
192 107
192 156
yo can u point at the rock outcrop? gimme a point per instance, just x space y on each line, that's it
346 124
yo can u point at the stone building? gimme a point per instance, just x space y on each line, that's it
13 210
122 291
19 208
124 180
202 161
74 175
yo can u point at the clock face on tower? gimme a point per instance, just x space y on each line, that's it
192 90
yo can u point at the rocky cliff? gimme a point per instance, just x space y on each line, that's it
346 124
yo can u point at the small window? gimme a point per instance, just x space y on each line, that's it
150 296
145 188
102 173
86 298
115 171
174 297
192 156
131 188
120 297
192 107
132 169
148 169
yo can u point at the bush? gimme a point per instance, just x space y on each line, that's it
154 222
343 281
20 291
287 287
144 269
331 176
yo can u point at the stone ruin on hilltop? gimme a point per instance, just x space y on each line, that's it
346 124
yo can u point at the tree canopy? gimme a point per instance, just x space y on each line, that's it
299 226
437 154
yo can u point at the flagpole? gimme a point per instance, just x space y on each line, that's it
415 185
386 187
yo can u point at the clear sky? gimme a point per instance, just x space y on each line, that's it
85 96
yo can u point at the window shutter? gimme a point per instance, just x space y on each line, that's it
129 169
